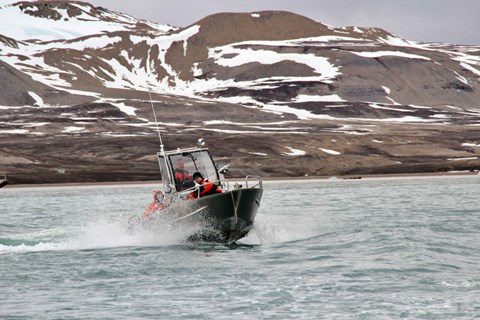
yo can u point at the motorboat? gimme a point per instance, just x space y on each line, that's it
3 181
224 217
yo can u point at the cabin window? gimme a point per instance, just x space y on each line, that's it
195 161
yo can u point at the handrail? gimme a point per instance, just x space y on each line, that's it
259 182
223 182
196 188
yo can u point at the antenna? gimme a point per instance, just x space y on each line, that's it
156 122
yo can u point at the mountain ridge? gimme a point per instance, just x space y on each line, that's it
259 85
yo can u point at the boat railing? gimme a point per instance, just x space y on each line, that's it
251 182
256 180
224 184
253 179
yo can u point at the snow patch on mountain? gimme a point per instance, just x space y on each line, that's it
22 21
129 110
396 41
330 151
232 56
470 68
37 98
294 152
322 98
377 54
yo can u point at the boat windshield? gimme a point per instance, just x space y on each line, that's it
185 164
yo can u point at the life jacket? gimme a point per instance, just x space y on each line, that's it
151 208
180 177
206 188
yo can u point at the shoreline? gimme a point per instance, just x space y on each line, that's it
344 177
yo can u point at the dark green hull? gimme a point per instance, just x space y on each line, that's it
228 216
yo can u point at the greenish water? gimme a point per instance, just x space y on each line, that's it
337 249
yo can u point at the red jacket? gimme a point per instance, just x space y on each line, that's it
180 177
206 188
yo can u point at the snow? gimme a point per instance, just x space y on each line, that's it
15 131
396 41
120 105
294 152
405 119
311 41
21 26
377 54
440 116
356 29
258 154
470 68
241 56
83 119
470 144
48 74
305 114
219 122
393 101
34 124
329 151
37 98
196 70
376 106
419 107
461 78
11 107
94 42
238 131
326 98
71 129
462 159
349 129
122 135
300 113
165 41
233 55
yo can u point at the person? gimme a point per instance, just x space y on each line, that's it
206 187
182 177
157 204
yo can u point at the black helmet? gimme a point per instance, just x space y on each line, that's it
196 175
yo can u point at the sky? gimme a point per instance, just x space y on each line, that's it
456 22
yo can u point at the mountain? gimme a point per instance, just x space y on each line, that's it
275 93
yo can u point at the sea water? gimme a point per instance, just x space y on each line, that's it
396 248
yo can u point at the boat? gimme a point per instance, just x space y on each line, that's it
224 217
3 182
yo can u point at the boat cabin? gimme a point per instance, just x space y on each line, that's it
184 163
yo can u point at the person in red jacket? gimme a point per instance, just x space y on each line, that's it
157 204
206 187
182 177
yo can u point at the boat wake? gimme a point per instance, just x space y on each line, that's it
97 235
104 233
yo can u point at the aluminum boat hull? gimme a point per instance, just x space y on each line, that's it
227 216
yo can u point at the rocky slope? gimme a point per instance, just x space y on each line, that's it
274 93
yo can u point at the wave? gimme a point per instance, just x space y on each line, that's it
277 229
95 235
103 233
